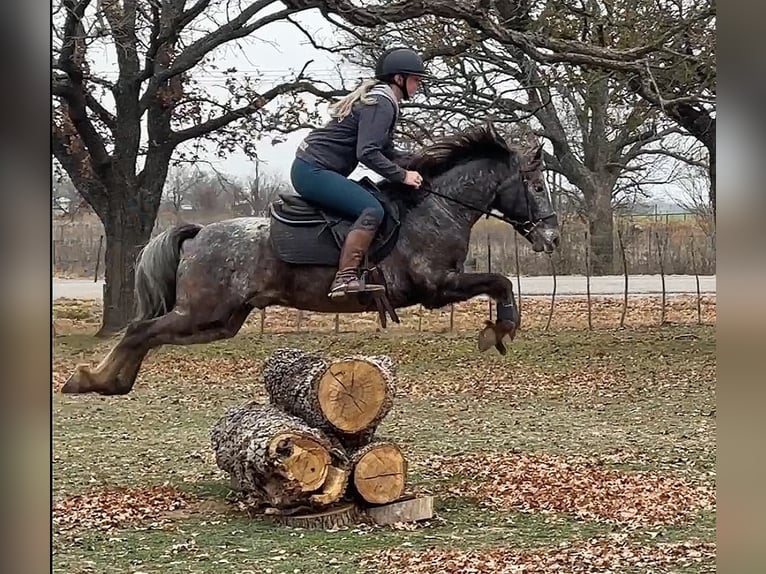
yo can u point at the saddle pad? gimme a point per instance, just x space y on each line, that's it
318 243
305 244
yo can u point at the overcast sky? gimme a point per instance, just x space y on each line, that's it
276 52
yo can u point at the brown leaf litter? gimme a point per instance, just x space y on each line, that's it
117 507
586 489
592 556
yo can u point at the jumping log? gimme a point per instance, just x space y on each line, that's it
278 456
379 472
348 397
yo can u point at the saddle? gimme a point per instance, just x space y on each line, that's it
302 233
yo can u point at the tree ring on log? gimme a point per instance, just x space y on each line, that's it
301 459
380 475
351 394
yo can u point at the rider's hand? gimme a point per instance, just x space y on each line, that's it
413 178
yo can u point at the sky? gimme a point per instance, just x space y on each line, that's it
278 52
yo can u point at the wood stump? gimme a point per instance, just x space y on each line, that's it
278 456
337 516
348 397
407 510
379 472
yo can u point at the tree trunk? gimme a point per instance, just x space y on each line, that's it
347 397
279 458
128 229
601 224
712 173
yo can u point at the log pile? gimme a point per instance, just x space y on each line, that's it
312 450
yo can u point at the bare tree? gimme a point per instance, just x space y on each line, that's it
115 133
258 191
664 49
65 201
179 182
603 136
696 199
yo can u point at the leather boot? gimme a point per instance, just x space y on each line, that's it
355 247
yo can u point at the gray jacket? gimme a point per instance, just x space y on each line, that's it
364 136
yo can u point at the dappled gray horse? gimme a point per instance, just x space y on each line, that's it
197 284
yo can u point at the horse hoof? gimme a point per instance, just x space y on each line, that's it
72 385
487 337
76 383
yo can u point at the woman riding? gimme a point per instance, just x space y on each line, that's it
361 131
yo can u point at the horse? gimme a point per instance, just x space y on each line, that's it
198 284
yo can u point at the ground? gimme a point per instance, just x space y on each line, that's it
582 450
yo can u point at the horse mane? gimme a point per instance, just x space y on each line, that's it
476 142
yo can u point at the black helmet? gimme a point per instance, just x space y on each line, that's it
399 61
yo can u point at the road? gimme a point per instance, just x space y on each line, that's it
569 285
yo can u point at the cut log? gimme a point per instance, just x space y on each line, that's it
348 397
379 472
276 455
339 516
334 486
410 510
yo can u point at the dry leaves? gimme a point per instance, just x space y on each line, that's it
72 316
118 507
587 490
595 555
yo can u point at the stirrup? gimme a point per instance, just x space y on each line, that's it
348 281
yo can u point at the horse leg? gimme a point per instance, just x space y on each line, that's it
463 286
117 373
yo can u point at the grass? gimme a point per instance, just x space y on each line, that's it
639 399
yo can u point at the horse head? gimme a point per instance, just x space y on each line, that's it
525 201
478 173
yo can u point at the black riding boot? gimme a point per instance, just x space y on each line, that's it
352 255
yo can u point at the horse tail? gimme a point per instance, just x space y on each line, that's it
156 267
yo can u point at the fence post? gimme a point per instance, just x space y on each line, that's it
518 271
489 270
660 253
98 257
263 320
451 317
625 272
553 294
337 323
299 321
587 280
697 280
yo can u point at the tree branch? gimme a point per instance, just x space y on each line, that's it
72 54
244 111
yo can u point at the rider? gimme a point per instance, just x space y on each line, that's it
360 131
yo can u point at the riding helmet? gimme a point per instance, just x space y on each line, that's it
403 61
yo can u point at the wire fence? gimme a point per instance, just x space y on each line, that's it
658 246
671 243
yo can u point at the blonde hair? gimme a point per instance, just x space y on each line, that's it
342 108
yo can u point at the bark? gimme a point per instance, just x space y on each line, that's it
278 457
379 472
332 519
411 510
100 148
346 397
601 227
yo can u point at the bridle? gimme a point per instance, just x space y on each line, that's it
523 227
